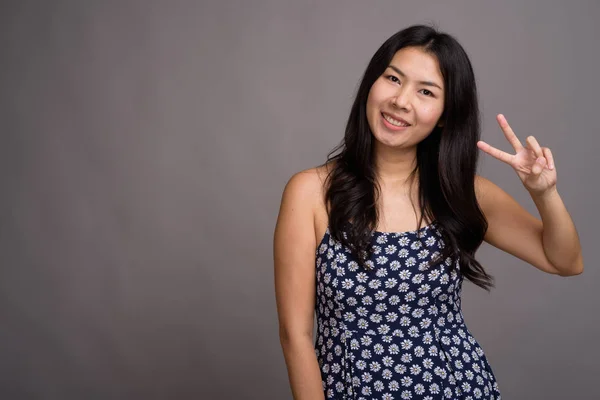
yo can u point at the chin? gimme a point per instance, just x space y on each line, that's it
390 143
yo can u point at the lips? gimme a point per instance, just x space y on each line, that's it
395 120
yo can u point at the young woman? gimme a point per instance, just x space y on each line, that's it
378 239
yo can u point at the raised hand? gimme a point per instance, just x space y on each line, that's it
534 164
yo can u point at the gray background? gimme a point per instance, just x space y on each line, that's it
145 146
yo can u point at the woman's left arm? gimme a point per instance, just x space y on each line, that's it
552 244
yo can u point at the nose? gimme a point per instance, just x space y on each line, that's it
402 99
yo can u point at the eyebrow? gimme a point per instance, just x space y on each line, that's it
426 83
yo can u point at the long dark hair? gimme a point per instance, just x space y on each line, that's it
446 160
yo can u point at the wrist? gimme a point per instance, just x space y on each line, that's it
546 196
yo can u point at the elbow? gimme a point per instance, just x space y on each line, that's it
572 272
576 268
296 344
289 338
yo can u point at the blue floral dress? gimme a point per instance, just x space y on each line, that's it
396 331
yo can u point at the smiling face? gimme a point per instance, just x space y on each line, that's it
406 102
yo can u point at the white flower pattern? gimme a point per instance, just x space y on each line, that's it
396 331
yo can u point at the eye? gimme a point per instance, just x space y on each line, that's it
393 78
428 92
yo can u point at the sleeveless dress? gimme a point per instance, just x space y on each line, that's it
396 331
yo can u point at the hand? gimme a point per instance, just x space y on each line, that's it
533 164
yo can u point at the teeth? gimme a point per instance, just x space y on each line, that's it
393 121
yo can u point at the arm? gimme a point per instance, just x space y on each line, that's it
550 244
294 247
561 242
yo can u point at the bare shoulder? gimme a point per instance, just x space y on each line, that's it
489 195
304 200
493 200
483 186
304 188
294 255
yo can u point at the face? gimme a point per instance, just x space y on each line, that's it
406 102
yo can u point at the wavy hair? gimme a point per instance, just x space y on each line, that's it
446 160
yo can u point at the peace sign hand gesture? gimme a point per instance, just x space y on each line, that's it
533 164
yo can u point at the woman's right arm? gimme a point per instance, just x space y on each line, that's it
294 248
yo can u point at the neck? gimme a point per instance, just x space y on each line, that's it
393 167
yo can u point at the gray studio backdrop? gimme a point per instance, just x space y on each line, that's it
144 148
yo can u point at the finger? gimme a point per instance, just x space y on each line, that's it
549 157
535 146
494 152
538 166
508 132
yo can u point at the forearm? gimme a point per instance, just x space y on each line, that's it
303 369
560 239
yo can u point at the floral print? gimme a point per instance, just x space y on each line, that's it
396 331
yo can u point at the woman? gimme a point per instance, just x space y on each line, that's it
392 222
